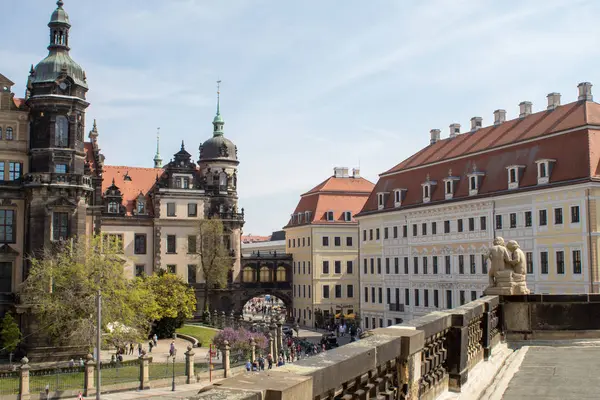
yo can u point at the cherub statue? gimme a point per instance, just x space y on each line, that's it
518 262
500 257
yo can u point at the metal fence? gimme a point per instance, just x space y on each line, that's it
117 373
163 371
9 382
56 380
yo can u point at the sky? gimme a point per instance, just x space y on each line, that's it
306 85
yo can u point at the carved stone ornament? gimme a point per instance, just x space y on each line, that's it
508 271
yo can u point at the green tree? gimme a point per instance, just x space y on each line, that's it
174 298
62 286
11 335
215 261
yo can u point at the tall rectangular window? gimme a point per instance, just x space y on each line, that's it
378 265
424 265
387 265
417 298
385 233
560 262
191 244
577 261
139 243
448 298
472 264
396 265
372 263
462 297
446 226
461 264
364 235
388 293
8 226
170 209
338 291
377 234
325 291
435 264
405 231
426 297
416 265
192 209
337 241
471 224
543 218
366 294
325 240
395 232
406 297
349 241
473 295
14 170
460 225
191 273
373 300
337 267
1 170
424 229
498 221
482 223
434 228
60 226
414 229
350 291
574 214
484 269
529 258
544 262
528 219
325 267
370 234
405 265
513 220
171 244
447 265
380 293
436 300
558 216
365 266
349 267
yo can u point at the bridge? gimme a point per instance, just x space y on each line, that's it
261 273
470 352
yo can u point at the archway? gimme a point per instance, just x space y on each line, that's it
266 306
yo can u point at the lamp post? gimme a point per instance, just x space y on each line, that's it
174 354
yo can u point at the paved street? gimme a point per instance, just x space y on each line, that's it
161 352
556 373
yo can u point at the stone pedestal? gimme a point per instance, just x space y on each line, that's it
253 347
88 377
226 352
24 379
189 366
144 372
508 283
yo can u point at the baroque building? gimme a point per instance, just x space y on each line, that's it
533 179
322 237
55 185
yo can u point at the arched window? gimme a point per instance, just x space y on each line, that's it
113 207
265 274
223 179
281 274
141 207
9 133
248 275
61 131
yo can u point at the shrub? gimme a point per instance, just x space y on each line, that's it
239 340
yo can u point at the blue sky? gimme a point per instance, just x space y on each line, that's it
307 85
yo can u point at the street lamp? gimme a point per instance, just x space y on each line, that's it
174 354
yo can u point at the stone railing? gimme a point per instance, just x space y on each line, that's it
50 178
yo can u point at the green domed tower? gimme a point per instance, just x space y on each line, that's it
57 187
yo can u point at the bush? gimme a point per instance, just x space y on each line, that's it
239 340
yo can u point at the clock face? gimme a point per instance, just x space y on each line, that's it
62 86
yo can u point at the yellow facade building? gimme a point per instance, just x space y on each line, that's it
533 179
322 236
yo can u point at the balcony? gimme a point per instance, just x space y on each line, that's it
231 216
51 178
473 350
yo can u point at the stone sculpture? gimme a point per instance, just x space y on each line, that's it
508 269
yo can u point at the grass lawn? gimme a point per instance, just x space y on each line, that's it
202 334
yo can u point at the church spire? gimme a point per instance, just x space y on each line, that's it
59 28
157 159
218 121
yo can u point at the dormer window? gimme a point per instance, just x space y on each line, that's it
329 215
113 207
399 196
293 219
307 215
475 179
299 218
544 169
514 175
141 207
449 186
182 182
347 216
427 189
380 200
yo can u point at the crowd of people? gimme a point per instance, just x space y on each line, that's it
264 306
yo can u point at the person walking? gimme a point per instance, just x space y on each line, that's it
172 348
155 339
270 361
261 363
150 346
139 349
130 349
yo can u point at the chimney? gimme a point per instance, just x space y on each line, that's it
585 91
476 123
356 172
553 100
499 116
454 130
525 109
435 136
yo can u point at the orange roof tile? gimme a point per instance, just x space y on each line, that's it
19 102
491 149
131 181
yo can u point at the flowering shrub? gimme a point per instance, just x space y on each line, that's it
239 340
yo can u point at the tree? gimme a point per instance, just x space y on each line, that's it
214 258
175 299
11 335
62 286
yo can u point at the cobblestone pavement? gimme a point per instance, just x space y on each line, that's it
556 373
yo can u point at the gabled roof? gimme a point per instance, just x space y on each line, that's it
131 181
559 134
337 194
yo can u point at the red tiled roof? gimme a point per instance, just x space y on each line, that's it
19 102
334 194
141 180
492 149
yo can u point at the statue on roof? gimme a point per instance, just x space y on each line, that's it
508 271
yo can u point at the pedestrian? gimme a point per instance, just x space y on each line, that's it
172 348
261 363
270 361
130 348
248 366
155 338
139 349
280 362
150 346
